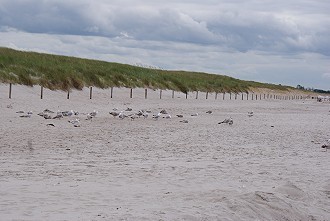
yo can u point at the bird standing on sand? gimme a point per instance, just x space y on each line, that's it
156 116
227 121
326 145
250 113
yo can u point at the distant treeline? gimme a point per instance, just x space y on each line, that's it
312 89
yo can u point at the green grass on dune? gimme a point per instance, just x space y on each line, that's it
64 73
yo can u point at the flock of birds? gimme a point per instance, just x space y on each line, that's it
127 113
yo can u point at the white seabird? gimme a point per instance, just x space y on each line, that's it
156 116
227 121
122 115
326 145
94 113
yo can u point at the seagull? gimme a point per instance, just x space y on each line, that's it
58 115
26 115
179 115
122 115
68 113
156 116
114 114
184 121
227 121
168 116
145 115
250 113
89 117
209 112
194 115
326 145
163 111
94 113
76 122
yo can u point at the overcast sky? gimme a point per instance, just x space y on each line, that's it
274 41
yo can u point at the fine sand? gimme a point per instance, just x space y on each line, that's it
266 167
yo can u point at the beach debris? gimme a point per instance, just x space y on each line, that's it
179 115
326 145
50 125
128 109
209 112
250 113
227 121
194 115
184 121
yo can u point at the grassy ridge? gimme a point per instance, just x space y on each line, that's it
65 73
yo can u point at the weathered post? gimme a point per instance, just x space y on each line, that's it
230 95
160 94
10 90
145 93
131 93
172 93
196 94
247 95
235 96
187 95
216 95
111 91
207 95
68 95
41 92
90 92
223 96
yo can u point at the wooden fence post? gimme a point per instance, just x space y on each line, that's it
230 95
90 92
196 94
223 95
242 96
207 95
10 90
216 95
145 93
186 95
247 95
131 93
235 96
172 93
68 95
160 94
41 92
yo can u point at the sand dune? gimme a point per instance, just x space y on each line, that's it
266 167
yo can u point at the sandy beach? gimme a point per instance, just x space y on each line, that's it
266 167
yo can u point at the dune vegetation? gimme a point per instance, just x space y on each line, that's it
65 73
